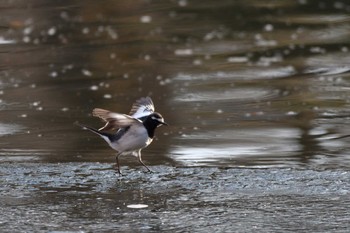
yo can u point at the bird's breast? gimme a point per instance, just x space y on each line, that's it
134 139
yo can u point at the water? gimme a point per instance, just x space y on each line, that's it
89 197
256 94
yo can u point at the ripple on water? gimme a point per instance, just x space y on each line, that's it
6 129
229 86
226 146
328 64
226 95
238 74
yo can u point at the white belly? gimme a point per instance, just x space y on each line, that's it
135 138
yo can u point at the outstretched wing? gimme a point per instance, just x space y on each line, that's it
114 120
142 107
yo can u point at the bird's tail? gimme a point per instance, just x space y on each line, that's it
99 133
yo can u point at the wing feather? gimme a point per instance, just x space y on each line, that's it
114 120
142 107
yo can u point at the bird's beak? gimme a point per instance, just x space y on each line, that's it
163 123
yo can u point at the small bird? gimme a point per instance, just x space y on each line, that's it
132 132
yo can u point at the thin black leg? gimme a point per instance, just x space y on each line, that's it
140 160
117 164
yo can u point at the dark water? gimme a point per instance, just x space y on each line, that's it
256 94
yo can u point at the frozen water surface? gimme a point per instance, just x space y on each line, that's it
90 196
256 94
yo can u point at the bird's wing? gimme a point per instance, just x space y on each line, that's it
114 120
142 107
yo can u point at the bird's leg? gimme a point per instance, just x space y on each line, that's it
117 163
140 160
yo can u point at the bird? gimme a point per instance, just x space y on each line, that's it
128 134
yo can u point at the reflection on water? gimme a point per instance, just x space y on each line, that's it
253 91
250 70
251 147
9 129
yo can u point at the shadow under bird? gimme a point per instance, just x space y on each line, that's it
129 134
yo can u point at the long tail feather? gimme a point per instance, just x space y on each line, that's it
102 134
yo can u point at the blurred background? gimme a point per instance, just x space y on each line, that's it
242 83
256 94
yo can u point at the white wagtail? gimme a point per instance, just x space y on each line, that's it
133 132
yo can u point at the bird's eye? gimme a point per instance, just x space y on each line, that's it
156 118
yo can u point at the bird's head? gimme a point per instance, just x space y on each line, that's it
157 119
